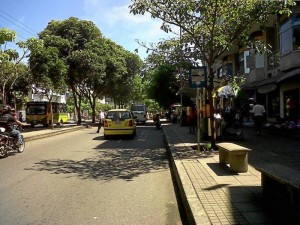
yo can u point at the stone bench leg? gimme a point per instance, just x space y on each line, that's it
239 162
223 157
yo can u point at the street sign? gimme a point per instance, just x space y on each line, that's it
198 77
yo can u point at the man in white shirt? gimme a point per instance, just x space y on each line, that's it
101 120
258 113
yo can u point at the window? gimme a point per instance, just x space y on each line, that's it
137 108
296 37
290 35
227 70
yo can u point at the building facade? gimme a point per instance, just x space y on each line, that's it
273 77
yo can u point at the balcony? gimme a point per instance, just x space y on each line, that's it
290 61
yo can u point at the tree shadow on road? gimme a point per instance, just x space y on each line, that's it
109 164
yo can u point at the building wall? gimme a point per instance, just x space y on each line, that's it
40 96
271 75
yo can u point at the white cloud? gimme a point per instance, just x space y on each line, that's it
116 22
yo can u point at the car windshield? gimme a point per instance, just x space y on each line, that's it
137 108
35 110
118 116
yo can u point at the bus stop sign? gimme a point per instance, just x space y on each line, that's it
198 77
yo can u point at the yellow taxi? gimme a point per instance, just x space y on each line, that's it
119 122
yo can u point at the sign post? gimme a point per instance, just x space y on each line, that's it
198 79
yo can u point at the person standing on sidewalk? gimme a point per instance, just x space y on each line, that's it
192 120
258 114
101 120
189 118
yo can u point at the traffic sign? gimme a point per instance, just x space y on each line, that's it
198 77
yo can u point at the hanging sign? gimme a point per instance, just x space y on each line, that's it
198 77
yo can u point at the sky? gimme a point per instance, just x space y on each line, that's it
112 17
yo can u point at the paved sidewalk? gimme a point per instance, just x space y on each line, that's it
213 194
46 132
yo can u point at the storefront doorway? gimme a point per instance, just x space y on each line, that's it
274 104
291 104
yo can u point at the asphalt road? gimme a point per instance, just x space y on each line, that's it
80 178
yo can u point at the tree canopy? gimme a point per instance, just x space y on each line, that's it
206 29
164 81
76 55
14 73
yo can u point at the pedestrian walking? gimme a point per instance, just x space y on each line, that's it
192 120
258 115
20 117
189 119
101 120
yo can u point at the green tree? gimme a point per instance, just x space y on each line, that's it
125 87
12 68
95 66
91 64
139 90
121 68
164 81
22 85
208 28
49 72
73 39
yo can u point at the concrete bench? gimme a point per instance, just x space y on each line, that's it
234 155
280 182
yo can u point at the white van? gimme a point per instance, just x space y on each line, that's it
140 112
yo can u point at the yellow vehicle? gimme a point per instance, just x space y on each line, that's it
40 113
119 122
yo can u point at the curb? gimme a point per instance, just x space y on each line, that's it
54 132
195 212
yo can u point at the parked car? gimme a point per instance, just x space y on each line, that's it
119 122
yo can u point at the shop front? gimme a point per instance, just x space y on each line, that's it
283 104
269 96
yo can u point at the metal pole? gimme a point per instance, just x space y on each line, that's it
198 119
181 108
181 82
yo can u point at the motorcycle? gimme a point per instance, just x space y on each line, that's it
8 143
157 122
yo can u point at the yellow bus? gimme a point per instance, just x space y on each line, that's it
40 113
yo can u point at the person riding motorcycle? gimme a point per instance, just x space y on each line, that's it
156 120
8 121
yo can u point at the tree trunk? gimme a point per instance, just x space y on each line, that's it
94 110
77 102
212 110
51 112
79 111
3 94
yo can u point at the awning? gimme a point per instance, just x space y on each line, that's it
269 80
187 91
251 85
270 84
266 88
278 78
267 85
289 75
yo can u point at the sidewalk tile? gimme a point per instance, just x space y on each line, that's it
226 197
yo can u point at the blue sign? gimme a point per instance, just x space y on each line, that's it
198 77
